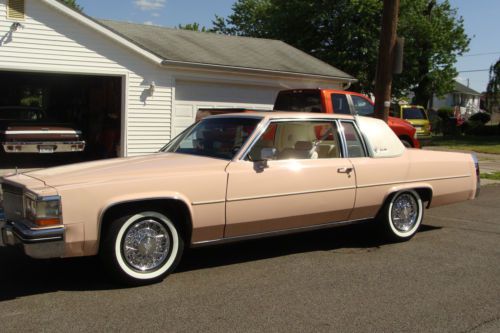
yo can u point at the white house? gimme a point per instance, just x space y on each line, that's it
462 97
147 81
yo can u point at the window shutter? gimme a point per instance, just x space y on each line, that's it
16 10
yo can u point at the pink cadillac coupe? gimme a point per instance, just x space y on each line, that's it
228 178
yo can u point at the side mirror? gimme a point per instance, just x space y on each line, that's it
267 154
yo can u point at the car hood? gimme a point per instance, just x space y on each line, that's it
150 166
399 121
419 122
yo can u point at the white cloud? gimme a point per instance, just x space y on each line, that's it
155 14
150 4
148 23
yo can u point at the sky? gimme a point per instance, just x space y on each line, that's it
480 18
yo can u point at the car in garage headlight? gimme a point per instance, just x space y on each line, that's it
44 211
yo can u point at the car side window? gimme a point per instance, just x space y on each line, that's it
340 104
355 147
362 106
298 140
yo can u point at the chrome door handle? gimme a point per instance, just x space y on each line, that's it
344 170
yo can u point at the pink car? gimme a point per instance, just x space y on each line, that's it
228 178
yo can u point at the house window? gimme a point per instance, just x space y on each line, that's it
16 10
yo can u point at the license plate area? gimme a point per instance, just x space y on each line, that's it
46 149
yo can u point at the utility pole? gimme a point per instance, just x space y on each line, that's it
383 82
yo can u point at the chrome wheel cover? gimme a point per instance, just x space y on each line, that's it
404 213
146 245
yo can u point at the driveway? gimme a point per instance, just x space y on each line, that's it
446 279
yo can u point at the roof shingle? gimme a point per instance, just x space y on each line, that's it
205 48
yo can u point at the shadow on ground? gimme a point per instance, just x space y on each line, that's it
21 276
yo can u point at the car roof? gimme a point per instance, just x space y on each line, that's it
283 115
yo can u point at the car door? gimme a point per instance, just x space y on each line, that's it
308 182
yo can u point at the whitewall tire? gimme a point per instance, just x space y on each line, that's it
142 247
401 216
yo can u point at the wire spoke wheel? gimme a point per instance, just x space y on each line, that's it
146 245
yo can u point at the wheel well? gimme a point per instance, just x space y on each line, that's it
175 209
425 194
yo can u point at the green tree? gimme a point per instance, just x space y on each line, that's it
434 37
345 34
192 26
73 4
493 88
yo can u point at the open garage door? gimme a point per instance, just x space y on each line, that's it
192 95
41 112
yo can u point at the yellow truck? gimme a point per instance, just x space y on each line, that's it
417 116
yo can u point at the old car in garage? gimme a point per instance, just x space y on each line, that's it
228 178
28 130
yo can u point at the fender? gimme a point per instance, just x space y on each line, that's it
130 198
410 186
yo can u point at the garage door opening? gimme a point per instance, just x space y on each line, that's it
87 105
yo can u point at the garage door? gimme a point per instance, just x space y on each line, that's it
191 96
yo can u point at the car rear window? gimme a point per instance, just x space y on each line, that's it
301 101
21 114
414 113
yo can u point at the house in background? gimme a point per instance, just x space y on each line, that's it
464 99
135 84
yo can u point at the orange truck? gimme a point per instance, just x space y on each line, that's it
341 102
328 101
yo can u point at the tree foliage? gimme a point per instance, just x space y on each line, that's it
345 34
73 4
493 88
192 26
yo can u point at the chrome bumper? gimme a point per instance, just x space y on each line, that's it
43 147
39 244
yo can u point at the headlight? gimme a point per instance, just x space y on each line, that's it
44 212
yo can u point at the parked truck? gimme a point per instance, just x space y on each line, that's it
328 101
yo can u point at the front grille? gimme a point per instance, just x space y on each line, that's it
12 202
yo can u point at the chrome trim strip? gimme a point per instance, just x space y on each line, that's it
40 132
414 181
292 193
197 203
277 233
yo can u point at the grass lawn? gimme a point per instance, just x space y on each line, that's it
479 144
493 175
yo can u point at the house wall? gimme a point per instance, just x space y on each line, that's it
463 100
51 41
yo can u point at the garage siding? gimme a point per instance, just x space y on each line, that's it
50 41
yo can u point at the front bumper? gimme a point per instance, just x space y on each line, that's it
35 243
44 147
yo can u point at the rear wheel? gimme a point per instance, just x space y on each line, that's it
141 248
401 215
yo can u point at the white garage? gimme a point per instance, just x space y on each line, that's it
163 76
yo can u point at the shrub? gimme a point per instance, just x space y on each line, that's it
481 117
446 112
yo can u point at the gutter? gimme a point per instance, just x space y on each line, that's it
249 70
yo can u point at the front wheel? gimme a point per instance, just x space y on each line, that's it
401 215
141 248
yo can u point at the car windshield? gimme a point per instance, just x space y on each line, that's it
414 113
214 137
21 114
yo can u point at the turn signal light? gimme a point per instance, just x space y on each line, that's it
47 222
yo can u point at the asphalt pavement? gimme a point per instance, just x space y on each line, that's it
446 279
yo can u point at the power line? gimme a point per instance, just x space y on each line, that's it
479 54
475 70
